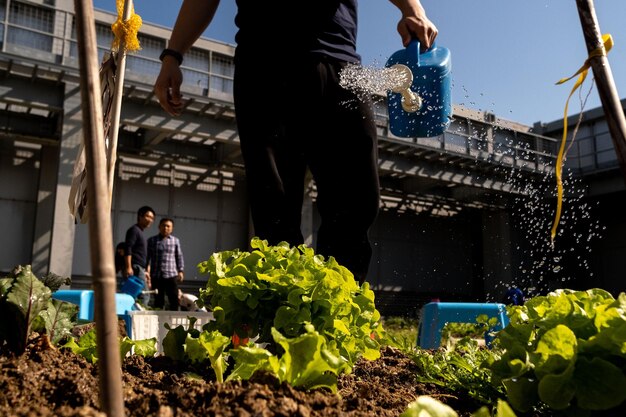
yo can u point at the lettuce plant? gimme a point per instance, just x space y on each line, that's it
425 406
286 288
566 350
309 318
87 346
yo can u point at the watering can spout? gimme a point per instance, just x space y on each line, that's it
411 101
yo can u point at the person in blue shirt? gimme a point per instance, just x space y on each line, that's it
293 116
166 264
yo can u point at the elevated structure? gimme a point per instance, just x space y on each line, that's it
443 198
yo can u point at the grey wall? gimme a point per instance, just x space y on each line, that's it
204 221
19 175
422 253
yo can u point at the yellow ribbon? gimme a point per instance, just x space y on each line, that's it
607 44
126 31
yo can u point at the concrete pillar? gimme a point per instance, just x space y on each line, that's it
497 253
63 228
42 238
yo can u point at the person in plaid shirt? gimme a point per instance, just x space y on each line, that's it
165 264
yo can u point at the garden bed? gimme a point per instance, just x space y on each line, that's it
56 382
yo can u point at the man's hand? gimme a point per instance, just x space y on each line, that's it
128 272
147 279
180 277
420 27
167 86
414 24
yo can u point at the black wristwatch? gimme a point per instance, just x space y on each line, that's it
170 52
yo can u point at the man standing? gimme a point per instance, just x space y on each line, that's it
293 114
135 251
165 264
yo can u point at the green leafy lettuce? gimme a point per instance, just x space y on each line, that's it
566 350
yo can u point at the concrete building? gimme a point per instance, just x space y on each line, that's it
447 226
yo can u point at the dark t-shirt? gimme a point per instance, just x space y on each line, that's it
288 29
136 246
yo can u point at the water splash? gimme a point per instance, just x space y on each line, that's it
369 80
543 265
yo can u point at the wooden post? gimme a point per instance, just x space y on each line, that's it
116 109
609 97
100 232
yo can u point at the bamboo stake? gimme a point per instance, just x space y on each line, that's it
604 80
100 232
117 104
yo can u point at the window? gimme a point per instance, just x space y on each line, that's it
3 14
146 60
222 72
198 76
104 39
30 26
222 65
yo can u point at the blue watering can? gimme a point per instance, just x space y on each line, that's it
420 104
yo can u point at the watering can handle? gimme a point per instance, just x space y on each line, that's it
413 50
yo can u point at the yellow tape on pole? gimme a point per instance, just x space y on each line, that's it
607 44
125 31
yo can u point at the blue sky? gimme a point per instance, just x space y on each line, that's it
506 54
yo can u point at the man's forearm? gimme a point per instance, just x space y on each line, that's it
409 7
193 18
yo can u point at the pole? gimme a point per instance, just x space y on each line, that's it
117 104
100 232
604 80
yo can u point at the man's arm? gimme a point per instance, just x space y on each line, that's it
193 18
180 262
150 254
129 241
414 23
129 267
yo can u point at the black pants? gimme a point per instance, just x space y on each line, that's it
293 115
169 287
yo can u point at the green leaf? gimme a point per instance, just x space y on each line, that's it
209 345
54 281
557 351
126 346
503 409
558 390
174 341
59 319
85 346
521 393
600 385
248 360
426 406
303 363
145 347
24 298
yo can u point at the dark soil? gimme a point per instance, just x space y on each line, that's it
48 381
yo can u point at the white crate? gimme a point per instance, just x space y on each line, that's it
151 323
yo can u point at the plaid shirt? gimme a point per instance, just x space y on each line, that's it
165 257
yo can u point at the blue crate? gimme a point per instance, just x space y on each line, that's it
435 315
84 299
